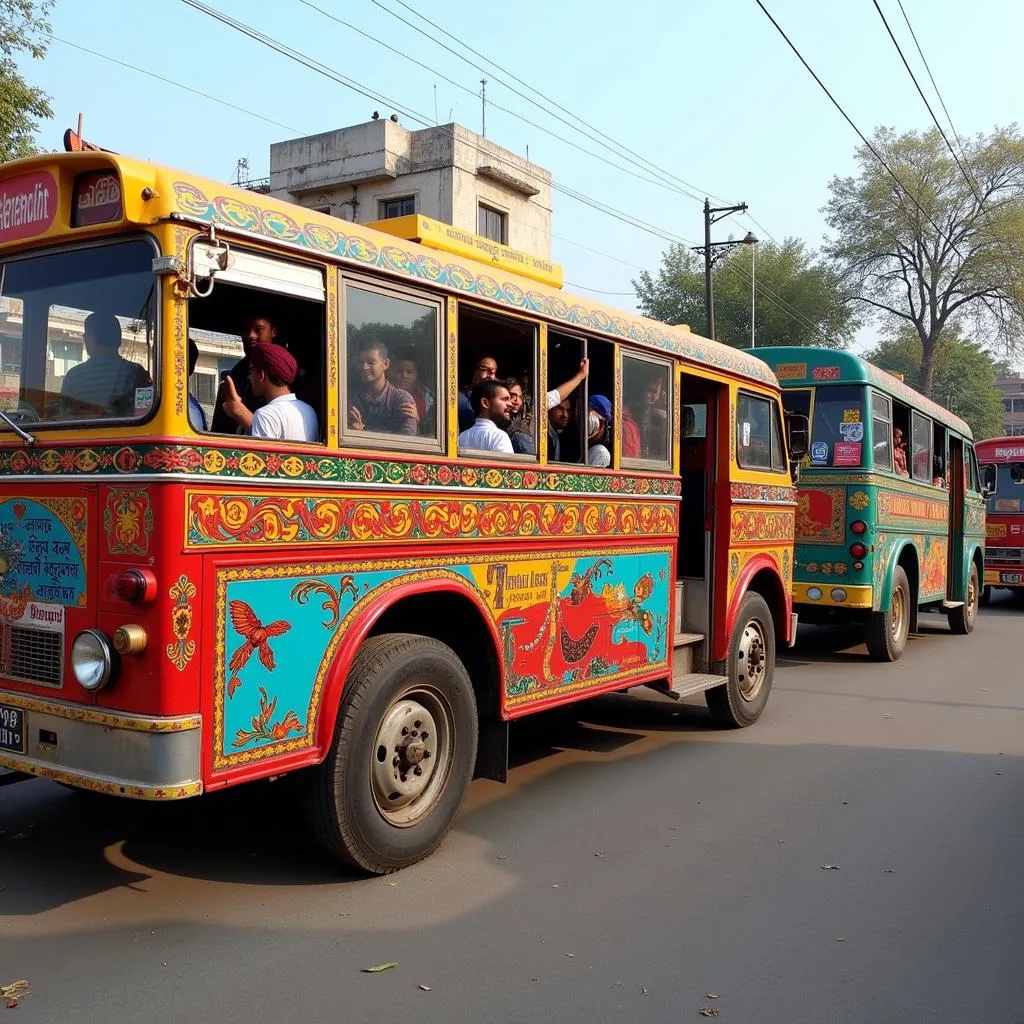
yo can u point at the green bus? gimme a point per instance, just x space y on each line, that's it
890 516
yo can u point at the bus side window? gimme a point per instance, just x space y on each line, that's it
881 431
921 448
391 380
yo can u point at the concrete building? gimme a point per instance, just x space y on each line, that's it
1011 390
378 170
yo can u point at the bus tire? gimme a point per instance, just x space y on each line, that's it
750 667
962 619
888 631
401 758
986 597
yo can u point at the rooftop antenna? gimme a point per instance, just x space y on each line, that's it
242 171
483 107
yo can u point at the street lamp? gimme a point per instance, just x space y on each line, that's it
714 251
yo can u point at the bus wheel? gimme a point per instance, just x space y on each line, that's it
750 668
888 631
962 619
402 755
986 597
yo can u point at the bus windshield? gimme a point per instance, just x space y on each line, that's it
1009 492
837 427
78 335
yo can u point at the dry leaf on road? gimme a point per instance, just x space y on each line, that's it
376 969
829 867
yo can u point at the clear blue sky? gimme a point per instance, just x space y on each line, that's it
706 90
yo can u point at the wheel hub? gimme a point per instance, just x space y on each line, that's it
751 661
412 754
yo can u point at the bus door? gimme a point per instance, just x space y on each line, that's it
698 448
956 476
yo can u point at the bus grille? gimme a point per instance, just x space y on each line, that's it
1005 556
34 655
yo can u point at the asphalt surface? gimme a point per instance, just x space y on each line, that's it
857 856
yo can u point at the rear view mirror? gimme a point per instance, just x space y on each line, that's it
798 432
988 480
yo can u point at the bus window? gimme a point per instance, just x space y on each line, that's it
881 431
1009 493
758 438
837 432
506 348
647 399
921 448
392 379
939 455
83 325
798 401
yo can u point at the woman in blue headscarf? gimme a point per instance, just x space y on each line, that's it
599 432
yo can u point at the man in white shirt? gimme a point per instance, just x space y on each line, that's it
490 401
272 371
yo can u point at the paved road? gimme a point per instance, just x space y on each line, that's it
637 862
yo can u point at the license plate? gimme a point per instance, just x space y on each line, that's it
12 729
1010 577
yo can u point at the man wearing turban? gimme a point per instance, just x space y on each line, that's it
272 371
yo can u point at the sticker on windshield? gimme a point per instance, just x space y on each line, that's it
851 415
847 453
819 453
746 435
143 400
852 431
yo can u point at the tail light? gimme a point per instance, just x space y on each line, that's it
858 550
859 527
136 586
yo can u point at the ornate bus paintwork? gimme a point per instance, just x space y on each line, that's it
904 522
266 568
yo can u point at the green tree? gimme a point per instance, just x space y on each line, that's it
23 29
964 378
800 301
940 250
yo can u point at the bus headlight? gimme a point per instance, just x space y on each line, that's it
838 595
93 661
814 593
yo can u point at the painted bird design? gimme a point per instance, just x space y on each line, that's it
257 638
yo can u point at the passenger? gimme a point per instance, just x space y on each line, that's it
558 419
654 420
485 369
938 472
282 417
599 432
106 383
196 413
520 428
259 330
405 374
899 452
489 432
378 405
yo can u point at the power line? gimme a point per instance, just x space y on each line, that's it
597 252
187 88
920 92
878 156
620 150
497 106
597 291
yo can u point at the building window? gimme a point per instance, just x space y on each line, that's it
492 224
400 206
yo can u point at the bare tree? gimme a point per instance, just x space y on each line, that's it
943 246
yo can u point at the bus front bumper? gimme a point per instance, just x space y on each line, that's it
1008 577
118 754
833 595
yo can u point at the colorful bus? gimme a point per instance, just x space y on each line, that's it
891 518
1002 470
186 607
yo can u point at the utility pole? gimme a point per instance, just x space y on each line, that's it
483 107
714 251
